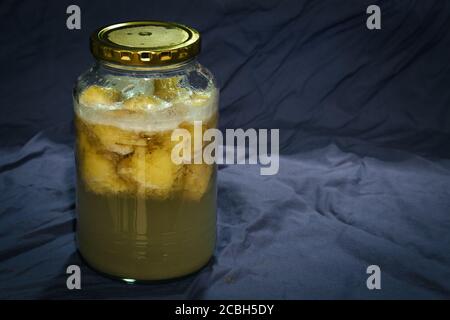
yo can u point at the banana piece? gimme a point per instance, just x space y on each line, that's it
197 176
199 98
196 150
95 95
196 181
169 89
116 140
98 169
153 172
141 103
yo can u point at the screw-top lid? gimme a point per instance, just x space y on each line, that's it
145 43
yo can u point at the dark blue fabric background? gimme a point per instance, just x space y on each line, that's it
364 119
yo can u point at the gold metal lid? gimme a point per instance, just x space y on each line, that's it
145 43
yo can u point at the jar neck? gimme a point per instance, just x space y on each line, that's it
102 64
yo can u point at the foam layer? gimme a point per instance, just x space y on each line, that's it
147 113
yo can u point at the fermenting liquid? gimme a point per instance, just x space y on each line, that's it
140 215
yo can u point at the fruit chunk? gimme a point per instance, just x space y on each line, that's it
196 181
116 140
95 95
153 172
169 88
98 169
141 103
199 98
196 149
100 175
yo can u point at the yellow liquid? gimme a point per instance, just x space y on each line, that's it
140 216
134 237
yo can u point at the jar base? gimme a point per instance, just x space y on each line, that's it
131 281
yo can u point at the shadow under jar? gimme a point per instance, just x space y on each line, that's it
142 216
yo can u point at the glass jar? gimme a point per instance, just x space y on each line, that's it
141 215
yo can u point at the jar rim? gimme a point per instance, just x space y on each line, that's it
146 69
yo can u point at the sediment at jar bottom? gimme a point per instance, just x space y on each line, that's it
112 160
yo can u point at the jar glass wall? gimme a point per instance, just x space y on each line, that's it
142 216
